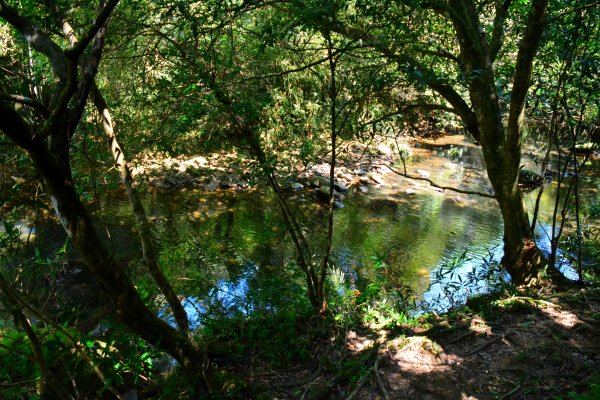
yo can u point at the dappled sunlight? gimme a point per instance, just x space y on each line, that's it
564 319
517 347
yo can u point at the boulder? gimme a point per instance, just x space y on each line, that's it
340 187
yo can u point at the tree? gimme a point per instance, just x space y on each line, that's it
46 142
462 67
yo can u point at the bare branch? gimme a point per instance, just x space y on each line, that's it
432 183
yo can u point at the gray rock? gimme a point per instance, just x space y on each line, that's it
347 177
340 187
323 193
225 184
338 204
363 189
297 186
211 186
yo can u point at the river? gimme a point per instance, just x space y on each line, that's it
228 251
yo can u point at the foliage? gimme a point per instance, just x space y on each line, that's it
183 77
460 277
375 304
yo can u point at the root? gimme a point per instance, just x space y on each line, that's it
380 384
488 343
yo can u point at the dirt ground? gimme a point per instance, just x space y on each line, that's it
515 348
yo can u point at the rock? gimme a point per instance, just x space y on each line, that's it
424 173
170 180
383 169
321 169
377 179
363 189
338 204
211 186
323 193
226 184
384 150
364 180
360 172
297 186
340 187
347 177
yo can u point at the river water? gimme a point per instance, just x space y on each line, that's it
228 251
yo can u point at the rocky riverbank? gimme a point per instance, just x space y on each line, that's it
358 167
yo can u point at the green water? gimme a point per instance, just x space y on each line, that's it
229 251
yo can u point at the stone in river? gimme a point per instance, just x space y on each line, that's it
340 187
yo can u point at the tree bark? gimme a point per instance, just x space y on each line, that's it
144 229
502 146
77 223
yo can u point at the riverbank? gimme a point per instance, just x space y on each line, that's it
507 347
357 165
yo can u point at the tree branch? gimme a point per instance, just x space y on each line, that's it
28 101
527 49
15 127
498 28
432 183
37 38
76 51
463 110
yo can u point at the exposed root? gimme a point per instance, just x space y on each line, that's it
488 343
380 383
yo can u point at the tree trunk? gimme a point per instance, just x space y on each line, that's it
522 259
144 230
502 145
78 224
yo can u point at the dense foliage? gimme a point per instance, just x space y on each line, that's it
285 84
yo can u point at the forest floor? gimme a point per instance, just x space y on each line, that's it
547 347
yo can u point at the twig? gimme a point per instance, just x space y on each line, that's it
488 343
380 384
20 383
589 320
359 385
432 183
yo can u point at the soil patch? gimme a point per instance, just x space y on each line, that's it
513 348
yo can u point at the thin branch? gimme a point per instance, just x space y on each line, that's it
28 101
78 49
432 183
562 14
409 107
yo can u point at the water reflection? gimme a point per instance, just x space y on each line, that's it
229 253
